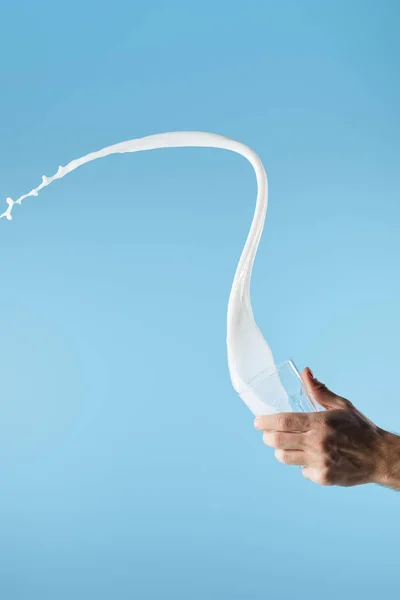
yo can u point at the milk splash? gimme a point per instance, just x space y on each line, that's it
250 359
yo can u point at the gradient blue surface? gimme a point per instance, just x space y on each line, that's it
129 468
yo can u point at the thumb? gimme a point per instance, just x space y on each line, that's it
322 395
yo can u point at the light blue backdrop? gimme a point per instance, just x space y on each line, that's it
129 468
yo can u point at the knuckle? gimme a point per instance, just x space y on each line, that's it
284 422
317 438
326 464
346 403
325 420
325 477
319 444
278 440
320 387
326 427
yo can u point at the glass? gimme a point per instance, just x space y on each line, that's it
280 390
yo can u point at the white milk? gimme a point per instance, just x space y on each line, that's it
249 355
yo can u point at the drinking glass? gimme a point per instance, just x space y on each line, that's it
279 390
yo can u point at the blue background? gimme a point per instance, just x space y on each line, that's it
129 468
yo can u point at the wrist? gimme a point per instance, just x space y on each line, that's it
387 471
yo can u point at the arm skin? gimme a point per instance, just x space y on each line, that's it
338 446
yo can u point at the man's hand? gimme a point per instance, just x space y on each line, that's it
338 446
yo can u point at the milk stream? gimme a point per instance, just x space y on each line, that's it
249 356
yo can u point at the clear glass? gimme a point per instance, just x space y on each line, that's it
280 390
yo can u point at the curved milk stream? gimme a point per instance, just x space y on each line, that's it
249 357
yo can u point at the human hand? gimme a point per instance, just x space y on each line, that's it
338 446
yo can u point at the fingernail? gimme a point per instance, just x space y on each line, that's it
257 423
311 373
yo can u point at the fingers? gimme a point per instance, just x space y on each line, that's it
290 457
314 440
316 475
285 441
321 393
284 422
